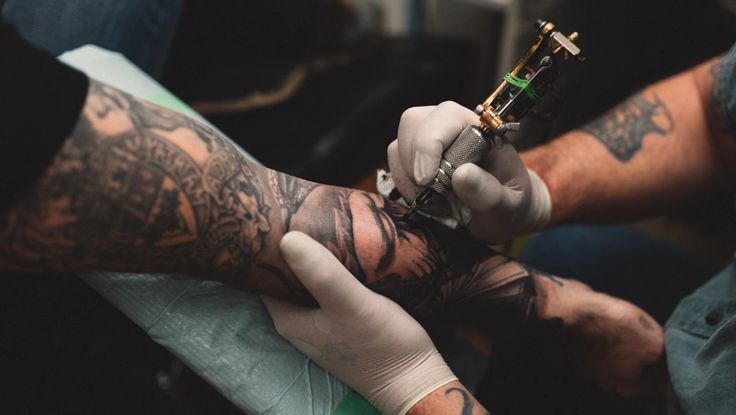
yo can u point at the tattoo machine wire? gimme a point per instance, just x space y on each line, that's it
520 90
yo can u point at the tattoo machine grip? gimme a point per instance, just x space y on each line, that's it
469 147
521 89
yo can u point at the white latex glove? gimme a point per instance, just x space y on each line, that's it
363 338
504 197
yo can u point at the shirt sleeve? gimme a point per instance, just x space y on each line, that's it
726 90
40 101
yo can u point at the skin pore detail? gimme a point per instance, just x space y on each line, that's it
623 129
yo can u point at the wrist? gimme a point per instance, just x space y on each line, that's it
451 398
402 393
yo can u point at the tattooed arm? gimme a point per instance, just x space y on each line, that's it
662 146
140 188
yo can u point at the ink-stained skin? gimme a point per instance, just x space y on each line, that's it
140 188
623 129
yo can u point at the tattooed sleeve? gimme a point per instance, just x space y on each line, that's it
140 188
623 129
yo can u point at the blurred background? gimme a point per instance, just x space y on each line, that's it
315 88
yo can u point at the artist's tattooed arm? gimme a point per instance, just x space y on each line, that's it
660 149
623 129
450 399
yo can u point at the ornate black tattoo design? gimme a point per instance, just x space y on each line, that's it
623 129
135 196
289 193
140 188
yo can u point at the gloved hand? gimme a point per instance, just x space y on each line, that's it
504 197
361 337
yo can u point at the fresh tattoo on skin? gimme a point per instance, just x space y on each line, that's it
623 129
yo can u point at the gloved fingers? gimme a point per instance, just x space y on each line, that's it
483 193
411 119
505 164
435 133
336 290
403 182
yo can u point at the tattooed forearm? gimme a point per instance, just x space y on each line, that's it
140 188
136 186
623 129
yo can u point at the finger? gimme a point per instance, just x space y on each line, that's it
329 282
403 182
411 119
482 192
436 132
505 164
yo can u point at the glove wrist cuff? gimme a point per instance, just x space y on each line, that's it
399 396
540 207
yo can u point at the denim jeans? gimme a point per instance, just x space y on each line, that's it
142 30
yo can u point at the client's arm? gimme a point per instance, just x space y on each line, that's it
137 187
140 188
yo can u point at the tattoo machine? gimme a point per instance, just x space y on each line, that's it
521 89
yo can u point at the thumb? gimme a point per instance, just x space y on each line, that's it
482 192
330 283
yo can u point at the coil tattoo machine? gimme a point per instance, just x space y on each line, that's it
523 87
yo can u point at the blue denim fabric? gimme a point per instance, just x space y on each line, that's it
701 334
142 30
701 348
726 85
